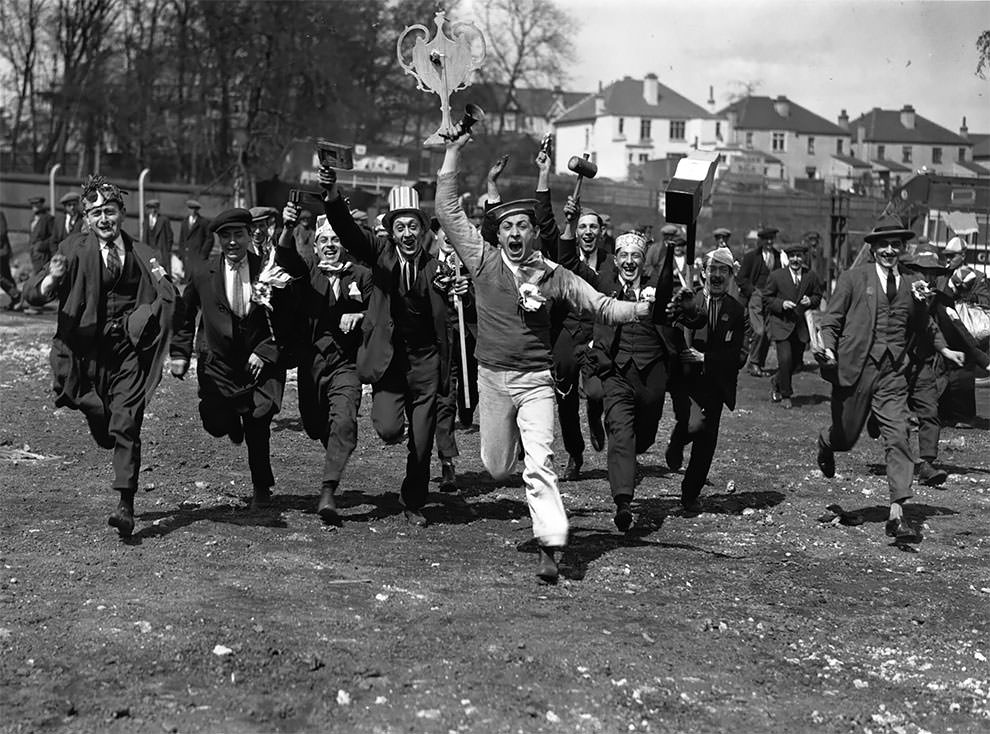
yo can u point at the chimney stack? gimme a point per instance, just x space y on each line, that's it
651 89
782 106
599 101
907 116
963 130
843 120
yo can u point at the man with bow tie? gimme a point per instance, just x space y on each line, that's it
115 306
788 294
239 369
331 294
404 354
699 388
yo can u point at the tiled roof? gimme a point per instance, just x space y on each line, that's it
981 145
890 165
760 113
624 98
974 167
851 161
884 126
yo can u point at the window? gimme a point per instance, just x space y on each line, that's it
644 157
622 126
811 146
630 157
509 123
962 154
718 129
881 151
906 154
749 140
644 129
936 155
839 146
677 129
777 142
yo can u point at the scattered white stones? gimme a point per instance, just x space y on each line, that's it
222 651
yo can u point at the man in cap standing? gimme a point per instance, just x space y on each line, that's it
239 369
656 252
115 314
70 221
757 264
264 225
874 319
789 293
41 234
404 354
158 232
195 241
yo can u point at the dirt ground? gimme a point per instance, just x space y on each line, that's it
752 617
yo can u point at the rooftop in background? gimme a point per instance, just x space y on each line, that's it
902 126
764 113
628 98
981 146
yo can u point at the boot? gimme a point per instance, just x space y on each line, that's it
327 507
123 517
623 513
929 475
448 478
547 569
573 471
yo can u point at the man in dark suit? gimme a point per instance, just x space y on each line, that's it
404 352
195 241
41 234
788 294
757 264
70 221
331 295
239 370
874 320
704 379
114 318
656 252
158 232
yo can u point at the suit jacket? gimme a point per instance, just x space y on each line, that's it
159 238
580 326
379 255
605 342
848 323
779 288
80 321
195 242
753 272
724 346
60 231
41 235
227 341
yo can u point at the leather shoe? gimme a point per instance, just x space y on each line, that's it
786 402
826 459
262 498
415 517
899 529
774 396
623 515
872 426
674 456
573 471
123 520
755 371
547 569
327 507
929 475
596 430
448 478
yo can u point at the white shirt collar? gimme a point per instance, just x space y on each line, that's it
882 275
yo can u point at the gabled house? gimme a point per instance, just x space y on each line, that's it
630 122
801 140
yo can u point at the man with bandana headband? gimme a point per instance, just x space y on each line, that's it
404 352
331 295
699 390
514 287
114 318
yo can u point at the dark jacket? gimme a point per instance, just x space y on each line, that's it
379 255
195 242
725 349
753 272
159 239
605 341
60 232
779 288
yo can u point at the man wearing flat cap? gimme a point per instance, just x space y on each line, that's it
158 232
264 224
515 287
41 233
115 306
757 264
790 293
656 252
239 369
870 331
721 236
404 354
195 239
70 221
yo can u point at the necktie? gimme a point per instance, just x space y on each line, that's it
712 313
114 266
335 286
237 297
797 278
891 286
408 275
629 293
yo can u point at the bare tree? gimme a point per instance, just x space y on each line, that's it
742 89
983 54
20 42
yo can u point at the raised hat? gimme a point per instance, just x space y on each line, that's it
231 217
193 204
511 208
924 257
888 229
152 204
403 200
955 246
722 232
766 233
69 198
261 213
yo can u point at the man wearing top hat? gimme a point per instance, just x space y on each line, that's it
757 264
404 349
870 332
195 240
158 232
788 294
700 389
70 221
239 369
41 233
115 306
514 289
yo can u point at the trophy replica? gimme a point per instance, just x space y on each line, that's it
444 65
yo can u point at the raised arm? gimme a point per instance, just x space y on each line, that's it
463 236
362 244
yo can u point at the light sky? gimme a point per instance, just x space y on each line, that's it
825 55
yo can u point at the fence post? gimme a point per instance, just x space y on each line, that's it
51 185
144 175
